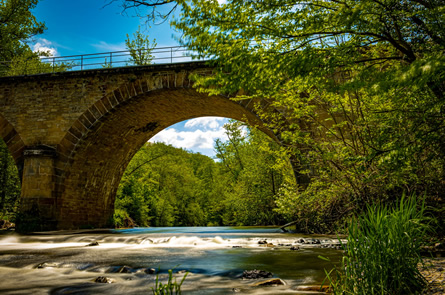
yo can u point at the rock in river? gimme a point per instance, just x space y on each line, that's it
256 274
103 280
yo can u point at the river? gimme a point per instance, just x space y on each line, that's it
214 257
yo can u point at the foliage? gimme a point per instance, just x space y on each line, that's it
17 26
359 84
255 168
171 287
383 251
9 184
140 48
30 63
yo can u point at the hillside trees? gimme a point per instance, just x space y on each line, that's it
166 186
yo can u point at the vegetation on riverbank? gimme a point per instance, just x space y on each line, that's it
383 251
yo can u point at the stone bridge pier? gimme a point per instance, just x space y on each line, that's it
73 134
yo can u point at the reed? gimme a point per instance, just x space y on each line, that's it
169 288
383 251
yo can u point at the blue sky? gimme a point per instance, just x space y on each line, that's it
77 27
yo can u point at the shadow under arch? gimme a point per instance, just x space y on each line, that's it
98 147
14 143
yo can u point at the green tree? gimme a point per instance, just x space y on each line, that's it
9 184
140 48
17 26
255 168
165 186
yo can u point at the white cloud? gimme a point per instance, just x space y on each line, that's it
44 45
104 46
190 140
205 122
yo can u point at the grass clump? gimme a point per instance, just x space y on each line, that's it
383 251
169 288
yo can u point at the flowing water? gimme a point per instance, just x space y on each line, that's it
214 257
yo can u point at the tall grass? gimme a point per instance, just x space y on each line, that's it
383 251
169 288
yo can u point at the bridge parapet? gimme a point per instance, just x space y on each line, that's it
94 61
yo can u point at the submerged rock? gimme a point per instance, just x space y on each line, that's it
270 282
150 271
124 269
47 265
294 248
256 274
103 280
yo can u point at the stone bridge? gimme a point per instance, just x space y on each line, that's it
72 134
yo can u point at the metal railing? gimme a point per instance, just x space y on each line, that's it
162 55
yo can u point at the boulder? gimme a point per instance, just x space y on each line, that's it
294 248
95 243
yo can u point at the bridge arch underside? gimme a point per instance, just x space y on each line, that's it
13 141
91 173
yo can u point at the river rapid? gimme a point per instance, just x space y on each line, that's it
214 257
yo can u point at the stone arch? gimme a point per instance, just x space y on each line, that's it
13 141
97 148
